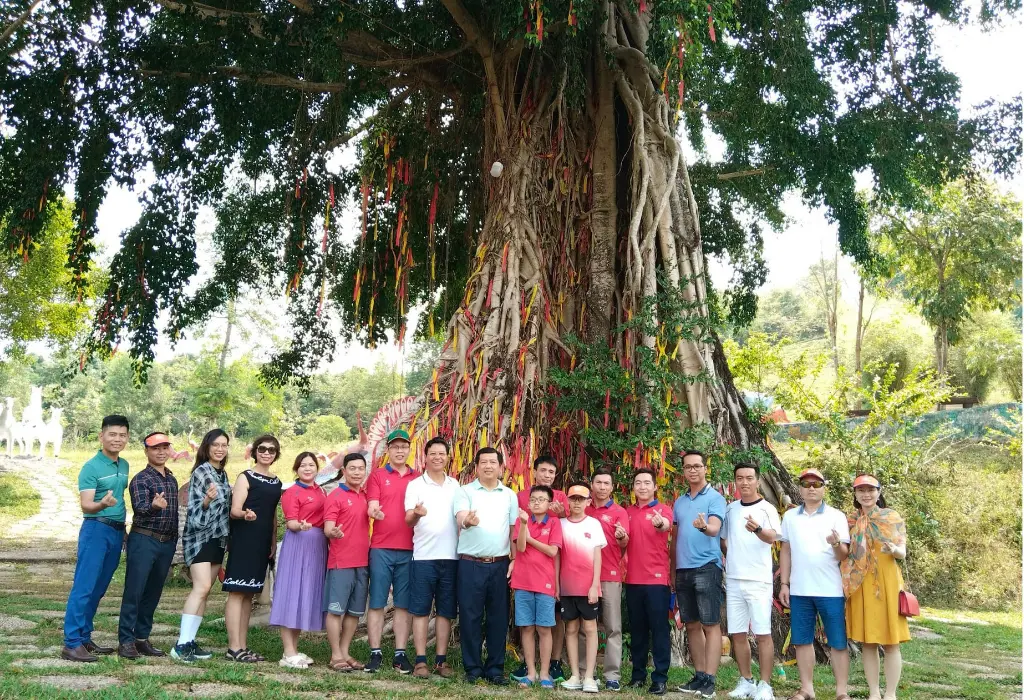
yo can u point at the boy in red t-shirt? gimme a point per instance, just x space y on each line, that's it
346 589
535 582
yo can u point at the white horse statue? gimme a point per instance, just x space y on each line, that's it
33 413
7 423
51 433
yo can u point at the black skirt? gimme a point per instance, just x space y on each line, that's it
210 553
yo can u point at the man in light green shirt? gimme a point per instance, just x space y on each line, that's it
101 485
486 512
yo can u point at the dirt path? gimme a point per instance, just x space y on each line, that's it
52 533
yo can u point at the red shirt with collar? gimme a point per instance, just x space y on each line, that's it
647 550
347 509
388 487
610 515
535 571
524 500
302 502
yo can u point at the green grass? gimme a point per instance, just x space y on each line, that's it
18 500
991 640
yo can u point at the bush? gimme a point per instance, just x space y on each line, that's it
326 433
894 343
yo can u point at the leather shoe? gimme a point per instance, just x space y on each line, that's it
98 650
656 689
637 683
79 653
146 649
128 651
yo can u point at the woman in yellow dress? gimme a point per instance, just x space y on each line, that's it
872 582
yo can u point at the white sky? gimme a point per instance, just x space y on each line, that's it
983 60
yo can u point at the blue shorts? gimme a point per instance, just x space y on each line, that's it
804 611
389 568
432 583
534 609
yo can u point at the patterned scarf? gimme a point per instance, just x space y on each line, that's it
869 530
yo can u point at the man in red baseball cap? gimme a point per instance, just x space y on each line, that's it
150 547
815 539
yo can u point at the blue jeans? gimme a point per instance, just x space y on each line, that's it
99 552
483 600
146 565
648 623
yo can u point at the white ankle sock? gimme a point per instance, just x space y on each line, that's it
189 628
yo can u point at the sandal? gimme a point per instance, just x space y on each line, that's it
356 666
243 656
844 696
255 657
308 659
547 684
340 666
801 695
525 683
293 662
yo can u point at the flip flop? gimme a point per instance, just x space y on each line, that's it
801 695
356 666
340 666
547 684
844 696
525 683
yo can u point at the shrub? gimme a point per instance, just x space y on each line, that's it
326 433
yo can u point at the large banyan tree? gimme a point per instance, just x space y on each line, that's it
535 173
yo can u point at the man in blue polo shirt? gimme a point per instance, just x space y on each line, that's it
101 485
696 557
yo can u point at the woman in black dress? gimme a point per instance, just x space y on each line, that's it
253 543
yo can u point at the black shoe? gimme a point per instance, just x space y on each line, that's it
98 650
199 652
128 651
637 683
694 686
374 664
656 689
401 664
556 672
707 690
498 680
183 653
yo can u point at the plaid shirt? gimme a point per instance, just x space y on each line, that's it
143 487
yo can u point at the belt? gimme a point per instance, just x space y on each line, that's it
116 524
483 560
159 536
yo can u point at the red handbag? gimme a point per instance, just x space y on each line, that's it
909 606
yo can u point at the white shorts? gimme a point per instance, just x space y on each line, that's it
748 605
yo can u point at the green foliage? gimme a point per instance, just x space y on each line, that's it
37 298
989 352
786 313
894 344
326 433
244 109
957 253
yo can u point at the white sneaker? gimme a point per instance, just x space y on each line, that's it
292 662
573 683
590 686
307 659
764 691
744 689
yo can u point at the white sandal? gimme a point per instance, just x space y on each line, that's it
293 662
309 660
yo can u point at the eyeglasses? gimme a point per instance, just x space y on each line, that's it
266 450
542 499
812 484
694 467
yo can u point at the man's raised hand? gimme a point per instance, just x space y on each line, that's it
620 532
159 502
108 500
471 519
376 513
335 532
832 538
657 520
751 524
420 510
700 522
557 509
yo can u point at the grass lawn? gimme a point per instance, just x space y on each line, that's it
977 656
18 500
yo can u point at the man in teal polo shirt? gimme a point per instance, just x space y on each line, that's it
696 558
486 511
101 485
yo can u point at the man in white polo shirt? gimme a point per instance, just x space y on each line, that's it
751 526
815 538
428 510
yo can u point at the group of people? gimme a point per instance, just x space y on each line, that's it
429 544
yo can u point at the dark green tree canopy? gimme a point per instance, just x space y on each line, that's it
245 105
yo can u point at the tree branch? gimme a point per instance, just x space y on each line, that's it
366 123
19 20
222 16
742 173
401 63
302 6
483 47
263 78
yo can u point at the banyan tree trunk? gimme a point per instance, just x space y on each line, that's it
593 210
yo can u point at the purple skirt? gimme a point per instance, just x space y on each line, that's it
299 581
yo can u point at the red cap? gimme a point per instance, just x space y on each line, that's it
578 490
156 439
811 472
866 480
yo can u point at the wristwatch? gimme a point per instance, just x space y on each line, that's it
758 529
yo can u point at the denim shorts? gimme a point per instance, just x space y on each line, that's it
389 568
699 592
804 611
432 583
534 609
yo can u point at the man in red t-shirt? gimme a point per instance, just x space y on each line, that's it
346 588
647 582
615 524
545 469
390 551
